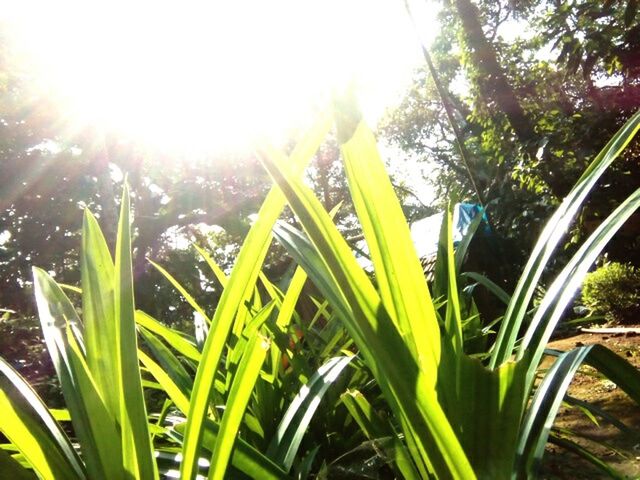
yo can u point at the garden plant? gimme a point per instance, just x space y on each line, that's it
385 362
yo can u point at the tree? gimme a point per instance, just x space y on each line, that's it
529 121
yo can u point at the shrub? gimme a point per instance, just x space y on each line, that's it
613 291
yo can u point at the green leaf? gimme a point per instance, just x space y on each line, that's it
561 291
446 271
294 423
616 369
93 424
10 468
215 268
585 454
381 346
183 291
173 391
243 276
592 411
241 388
544 407
29 425
480 404
169 362
499 293
401 282
245 458
375 427
330 263
137 453
97 273
303 469
287 309
551 236
178 340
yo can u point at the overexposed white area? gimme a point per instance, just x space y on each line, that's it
206 76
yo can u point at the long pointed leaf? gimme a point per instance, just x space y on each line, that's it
11 468
296 419
176 339
588 456
551 236
95 427
241 388
245 458
499 293
244 274
183 291
562 289
215 268
544 407
137 453
401 281
375 427
29 425
97 272
407 391
173 390
168 361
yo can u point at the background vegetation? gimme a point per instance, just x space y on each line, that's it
508 121
613 291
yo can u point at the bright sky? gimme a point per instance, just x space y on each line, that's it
211 76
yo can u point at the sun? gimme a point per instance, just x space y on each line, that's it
207 76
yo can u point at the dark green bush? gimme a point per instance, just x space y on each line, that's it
613 291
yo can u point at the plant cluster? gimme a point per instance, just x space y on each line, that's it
613 291
411 379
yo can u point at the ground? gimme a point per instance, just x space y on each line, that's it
619 450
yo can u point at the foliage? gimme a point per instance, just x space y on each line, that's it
52 171
569 71
384 347
21 343
323 255
613 290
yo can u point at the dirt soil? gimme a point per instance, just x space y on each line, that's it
619 450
